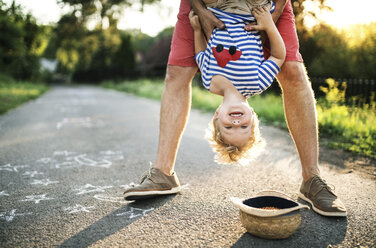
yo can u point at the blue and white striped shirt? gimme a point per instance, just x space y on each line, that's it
237 55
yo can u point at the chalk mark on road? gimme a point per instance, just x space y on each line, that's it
37 198
12 168
107 198
88 188
67 159
84 160
78 208
87 122
4 193
32 173
44 182
45 160
8 217
135 212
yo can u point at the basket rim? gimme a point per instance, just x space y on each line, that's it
238 202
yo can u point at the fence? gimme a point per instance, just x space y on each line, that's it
361 88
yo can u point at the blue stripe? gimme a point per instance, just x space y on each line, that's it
249 74
264 70
234 74
262 73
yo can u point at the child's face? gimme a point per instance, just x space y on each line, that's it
235 123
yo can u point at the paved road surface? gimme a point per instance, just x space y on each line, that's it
66 158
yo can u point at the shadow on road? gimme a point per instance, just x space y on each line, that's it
314 231
112 223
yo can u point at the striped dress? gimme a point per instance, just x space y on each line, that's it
237 55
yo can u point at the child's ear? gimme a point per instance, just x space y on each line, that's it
216 114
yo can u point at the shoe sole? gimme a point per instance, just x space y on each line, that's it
139 195
319 211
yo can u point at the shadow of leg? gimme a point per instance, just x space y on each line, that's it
115 221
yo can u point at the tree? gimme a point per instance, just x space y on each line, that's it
22 42
301 12
85 53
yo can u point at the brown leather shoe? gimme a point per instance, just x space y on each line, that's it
153 183
322 197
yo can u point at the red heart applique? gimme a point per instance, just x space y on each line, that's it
224 56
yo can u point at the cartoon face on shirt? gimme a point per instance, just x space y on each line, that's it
223 56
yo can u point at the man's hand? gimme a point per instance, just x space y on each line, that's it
208 22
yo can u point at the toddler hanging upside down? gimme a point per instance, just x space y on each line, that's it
232 65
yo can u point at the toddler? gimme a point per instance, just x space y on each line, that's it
232 65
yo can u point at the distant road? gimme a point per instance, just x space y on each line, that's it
66 158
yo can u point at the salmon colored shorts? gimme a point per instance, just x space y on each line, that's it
182 51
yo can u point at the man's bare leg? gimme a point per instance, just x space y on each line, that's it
301 116
175 107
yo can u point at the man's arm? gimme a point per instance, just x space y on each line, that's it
279 7
207 19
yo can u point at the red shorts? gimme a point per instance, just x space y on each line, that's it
182 51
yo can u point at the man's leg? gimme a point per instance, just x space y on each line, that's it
175 107
301 116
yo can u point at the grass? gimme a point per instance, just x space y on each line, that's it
349 127
14 93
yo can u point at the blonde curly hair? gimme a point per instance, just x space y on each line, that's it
229 154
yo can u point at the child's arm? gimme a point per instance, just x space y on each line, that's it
200 41
265 22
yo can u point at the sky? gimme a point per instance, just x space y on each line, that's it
156 17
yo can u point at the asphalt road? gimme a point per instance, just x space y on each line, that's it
66 158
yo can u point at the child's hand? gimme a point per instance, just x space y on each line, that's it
195 22
263 17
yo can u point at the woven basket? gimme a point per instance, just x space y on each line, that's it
270 224
279 227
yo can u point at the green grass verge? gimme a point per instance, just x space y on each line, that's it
351 128
14 93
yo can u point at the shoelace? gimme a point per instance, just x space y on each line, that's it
323 184
147 174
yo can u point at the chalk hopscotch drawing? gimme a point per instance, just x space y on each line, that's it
37 198
11 215
67 159
13 168
44 182
32 173
78 208
87 122
4 193
108 198
135 212
84 160
88 188
112 155
66 165
45 160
